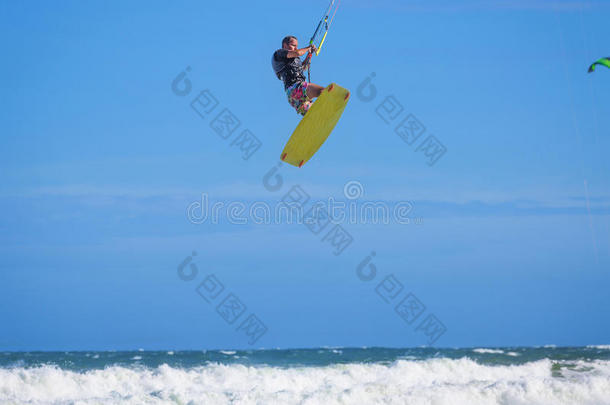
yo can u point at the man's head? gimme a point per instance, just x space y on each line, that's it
291 43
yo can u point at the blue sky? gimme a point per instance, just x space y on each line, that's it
100 160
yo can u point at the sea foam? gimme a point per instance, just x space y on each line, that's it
435 381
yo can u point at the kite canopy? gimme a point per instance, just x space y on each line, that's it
602 62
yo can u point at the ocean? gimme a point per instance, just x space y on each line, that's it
416 376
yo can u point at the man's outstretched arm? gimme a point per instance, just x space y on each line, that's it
300 52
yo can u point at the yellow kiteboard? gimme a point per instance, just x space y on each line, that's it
316 125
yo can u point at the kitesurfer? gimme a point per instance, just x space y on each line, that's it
289 68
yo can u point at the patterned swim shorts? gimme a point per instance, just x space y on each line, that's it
297 97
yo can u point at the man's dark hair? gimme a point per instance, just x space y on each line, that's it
287 39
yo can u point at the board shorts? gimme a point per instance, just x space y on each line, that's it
297 97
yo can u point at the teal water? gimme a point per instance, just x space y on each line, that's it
90 360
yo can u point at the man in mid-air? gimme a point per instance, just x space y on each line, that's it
289 68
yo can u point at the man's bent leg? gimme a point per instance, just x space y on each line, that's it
313 90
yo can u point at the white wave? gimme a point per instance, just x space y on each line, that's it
436 381
514 354
488 351
228 352
136 358
601 347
